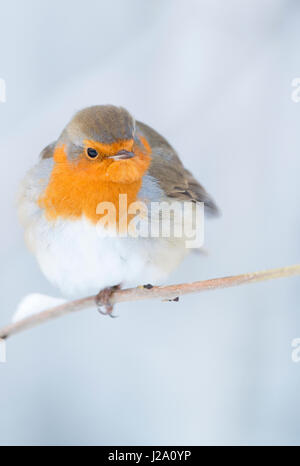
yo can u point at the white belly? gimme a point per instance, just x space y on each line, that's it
74 257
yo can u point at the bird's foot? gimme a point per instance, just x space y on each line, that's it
103 300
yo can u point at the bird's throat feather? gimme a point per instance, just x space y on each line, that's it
77 188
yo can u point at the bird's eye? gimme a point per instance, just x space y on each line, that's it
92 153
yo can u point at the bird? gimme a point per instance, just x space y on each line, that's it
102 155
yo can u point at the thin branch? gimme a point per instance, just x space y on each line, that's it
135 294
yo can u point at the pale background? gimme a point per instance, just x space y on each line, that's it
215 78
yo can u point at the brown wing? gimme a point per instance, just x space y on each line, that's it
47 153
174 179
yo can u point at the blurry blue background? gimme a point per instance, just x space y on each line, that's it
213 77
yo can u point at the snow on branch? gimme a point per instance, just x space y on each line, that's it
167 293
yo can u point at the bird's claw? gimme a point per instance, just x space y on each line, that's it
103 300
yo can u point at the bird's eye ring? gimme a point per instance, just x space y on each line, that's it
92 153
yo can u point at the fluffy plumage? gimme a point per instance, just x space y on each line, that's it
58 198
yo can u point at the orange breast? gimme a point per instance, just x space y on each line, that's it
77 187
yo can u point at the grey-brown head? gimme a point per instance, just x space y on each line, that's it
105 124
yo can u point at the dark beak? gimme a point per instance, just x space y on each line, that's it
122 155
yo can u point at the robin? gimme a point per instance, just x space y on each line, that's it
103 155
